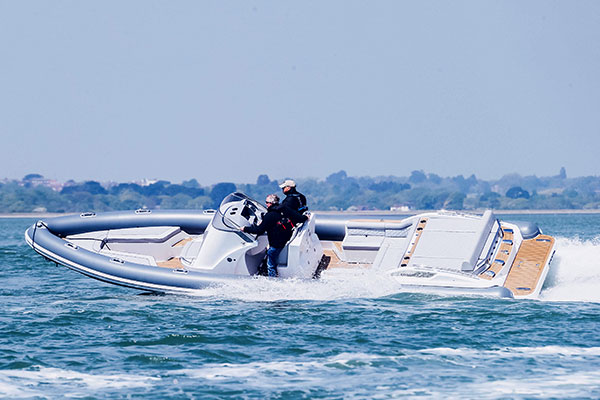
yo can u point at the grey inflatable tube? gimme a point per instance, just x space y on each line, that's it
118 271
191 221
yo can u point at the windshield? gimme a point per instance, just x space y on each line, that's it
237 210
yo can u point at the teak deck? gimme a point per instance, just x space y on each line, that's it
528 265
173 263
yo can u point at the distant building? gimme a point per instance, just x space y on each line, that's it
41 181
146 182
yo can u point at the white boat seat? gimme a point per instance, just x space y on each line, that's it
282 260
361 235
191 250
362 242
283 256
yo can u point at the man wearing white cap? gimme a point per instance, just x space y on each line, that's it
293 199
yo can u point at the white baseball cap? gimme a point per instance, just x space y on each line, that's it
288 183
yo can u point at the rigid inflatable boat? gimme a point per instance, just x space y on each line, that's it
183 251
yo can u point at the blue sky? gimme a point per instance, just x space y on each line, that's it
225 91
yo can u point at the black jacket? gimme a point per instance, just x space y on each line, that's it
295 200
278 236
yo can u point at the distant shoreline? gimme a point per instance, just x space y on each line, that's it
366 212
33 215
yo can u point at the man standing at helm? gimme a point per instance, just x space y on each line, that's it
293 199
278 223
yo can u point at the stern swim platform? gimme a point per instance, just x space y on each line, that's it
530 267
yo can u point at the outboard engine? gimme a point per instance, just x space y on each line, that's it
529 230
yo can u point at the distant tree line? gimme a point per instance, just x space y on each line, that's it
418 191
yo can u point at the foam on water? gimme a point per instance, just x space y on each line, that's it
388 372
333 285
363 361
569 351
30 383
575 271
561 371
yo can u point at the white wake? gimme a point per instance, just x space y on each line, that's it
333 285
575 271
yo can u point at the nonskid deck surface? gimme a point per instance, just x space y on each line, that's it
529 264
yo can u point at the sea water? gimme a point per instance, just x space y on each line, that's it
345 336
